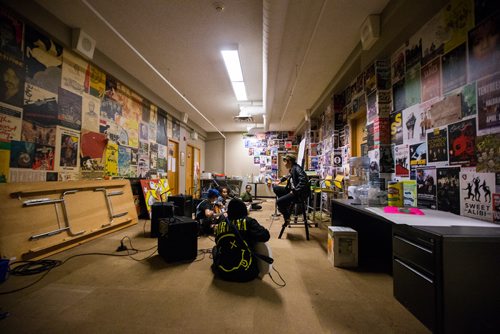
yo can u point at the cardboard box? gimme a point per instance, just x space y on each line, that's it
342 246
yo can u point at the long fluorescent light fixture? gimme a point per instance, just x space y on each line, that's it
233 67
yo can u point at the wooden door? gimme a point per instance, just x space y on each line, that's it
189 166
196 173
173 166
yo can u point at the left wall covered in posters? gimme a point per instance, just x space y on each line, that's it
62 118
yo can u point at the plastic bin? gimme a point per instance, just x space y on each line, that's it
342 246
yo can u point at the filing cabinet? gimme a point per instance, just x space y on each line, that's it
448 277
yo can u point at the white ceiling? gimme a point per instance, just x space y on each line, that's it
306 42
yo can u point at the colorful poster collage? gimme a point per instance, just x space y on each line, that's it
62 118
444 123
264 150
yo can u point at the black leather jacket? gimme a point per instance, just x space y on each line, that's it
298 182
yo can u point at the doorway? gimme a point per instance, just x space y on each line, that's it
189 167
197 173
173 167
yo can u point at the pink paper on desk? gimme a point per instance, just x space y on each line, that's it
408 211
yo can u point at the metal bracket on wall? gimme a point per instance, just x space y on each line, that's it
107 196
43 201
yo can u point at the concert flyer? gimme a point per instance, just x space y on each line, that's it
461 143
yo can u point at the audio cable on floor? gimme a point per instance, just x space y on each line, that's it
26 268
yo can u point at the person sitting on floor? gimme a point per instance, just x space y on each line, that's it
235 240
247 197
208 212
296 189
224 197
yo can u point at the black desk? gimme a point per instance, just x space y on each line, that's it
374 234
447 275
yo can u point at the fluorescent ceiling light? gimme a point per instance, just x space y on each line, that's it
239 90
233 66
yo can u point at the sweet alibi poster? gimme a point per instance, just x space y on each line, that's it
476 194
461 143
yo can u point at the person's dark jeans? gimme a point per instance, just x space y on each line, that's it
205 227
285 201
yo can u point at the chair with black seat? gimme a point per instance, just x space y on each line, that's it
299 207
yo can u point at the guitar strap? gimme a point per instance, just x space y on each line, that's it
263 257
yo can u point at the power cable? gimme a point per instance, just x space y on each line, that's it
281 278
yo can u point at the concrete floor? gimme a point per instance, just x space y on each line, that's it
108 294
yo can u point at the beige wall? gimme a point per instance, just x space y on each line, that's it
214 154
238 163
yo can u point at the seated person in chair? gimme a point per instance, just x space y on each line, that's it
296 189
235 240
247 197
208 212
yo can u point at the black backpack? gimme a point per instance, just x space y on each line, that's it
233 258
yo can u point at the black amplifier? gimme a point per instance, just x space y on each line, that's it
183 205
178 239
160 210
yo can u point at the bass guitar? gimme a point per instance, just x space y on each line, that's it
264 256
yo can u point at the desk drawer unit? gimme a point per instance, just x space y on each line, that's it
448 276
415 291
416 254
414 272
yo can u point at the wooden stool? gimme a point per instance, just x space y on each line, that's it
302 205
